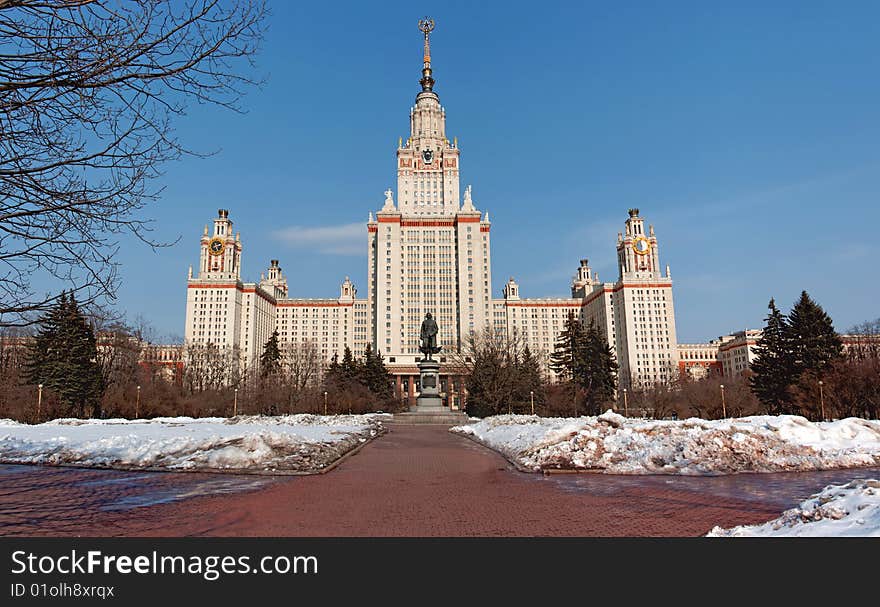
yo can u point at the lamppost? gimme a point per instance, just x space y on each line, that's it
137 403
625 408
325 402
39 400
822 399
235 402
723 407
532 397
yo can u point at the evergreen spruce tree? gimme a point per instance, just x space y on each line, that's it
598 376
270 359
529 380
773 368
349 368
334 372
566 360
375 375
87 386
45 353
811 337
64 358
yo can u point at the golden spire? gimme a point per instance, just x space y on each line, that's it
426 25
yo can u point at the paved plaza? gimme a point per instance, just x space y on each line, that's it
416 480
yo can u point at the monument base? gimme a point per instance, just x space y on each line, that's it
429 408
444 417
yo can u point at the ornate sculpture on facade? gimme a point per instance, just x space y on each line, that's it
468 202
389 200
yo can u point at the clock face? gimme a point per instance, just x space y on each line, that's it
428 155
641 245
215 246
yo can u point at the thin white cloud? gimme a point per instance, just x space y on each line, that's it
855 251
343 239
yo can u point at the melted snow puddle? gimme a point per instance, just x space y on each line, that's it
782 489
207 487
113 490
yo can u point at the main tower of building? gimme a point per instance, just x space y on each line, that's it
430 252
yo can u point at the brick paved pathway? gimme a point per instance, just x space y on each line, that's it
424 481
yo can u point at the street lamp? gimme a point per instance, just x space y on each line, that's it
137 403
723 407
625 408
822 399
325 402
532 396
235 402
39 399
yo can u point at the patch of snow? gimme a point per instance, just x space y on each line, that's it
838 510
299 443
615 444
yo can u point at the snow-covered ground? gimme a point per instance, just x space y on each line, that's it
615 444
838 510
289 443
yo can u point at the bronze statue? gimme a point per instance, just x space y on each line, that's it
428 337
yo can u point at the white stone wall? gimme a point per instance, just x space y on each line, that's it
213 312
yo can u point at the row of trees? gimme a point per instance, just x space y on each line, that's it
504 376
793 354
501 374
66 370
583 359
800 369
289 374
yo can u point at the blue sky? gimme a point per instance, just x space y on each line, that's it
746 132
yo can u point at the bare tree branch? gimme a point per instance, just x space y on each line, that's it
89 90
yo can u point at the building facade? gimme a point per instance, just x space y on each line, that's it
239 317
430 251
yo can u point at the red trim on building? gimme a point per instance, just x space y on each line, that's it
313 304
261 293
384 219
372 228
525 304
485 228
210 286
732 344
644 285
597 294
426 223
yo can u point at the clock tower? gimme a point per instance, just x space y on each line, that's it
221 250
637 252
643 312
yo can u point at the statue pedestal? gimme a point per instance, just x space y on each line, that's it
429 399
429 408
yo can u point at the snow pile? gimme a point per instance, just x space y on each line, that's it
615 444
298 443
838 510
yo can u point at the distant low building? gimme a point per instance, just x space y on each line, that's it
733 354
698 361
163 360
737 353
